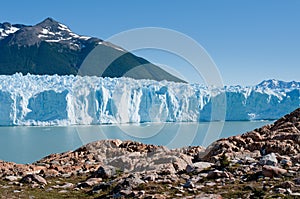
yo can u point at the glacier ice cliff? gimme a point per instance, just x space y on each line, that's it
67 100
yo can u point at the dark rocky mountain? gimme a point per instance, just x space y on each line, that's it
50 48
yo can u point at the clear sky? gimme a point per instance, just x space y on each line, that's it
248 40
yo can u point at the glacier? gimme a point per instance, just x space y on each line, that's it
75 100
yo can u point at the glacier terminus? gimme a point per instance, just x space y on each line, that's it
75 100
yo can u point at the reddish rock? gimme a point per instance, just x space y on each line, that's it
282 137
50 173
272 171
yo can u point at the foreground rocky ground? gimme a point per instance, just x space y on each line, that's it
264 163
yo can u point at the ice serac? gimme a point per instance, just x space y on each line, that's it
65 100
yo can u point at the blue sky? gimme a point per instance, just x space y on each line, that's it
248 40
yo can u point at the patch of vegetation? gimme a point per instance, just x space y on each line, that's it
224 161
257 193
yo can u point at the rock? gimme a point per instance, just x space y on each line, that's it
207 196
63 191
286 163
269 159
155 196
127 192
166 169
296 158
255 136
280 190
33 178
189 168
203 175
217 174
185 176
297 181
89 182
181 161
101 187
50 173
105 172
11 178
132 181
287 185
150 177
272 171
249 160
198 167
296 195
189 184
64 186
210 184
282 138
54 162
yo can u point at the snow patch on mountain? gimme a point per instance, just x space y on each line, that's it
7 29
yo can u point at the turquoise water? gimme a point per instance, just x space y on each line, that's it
28 144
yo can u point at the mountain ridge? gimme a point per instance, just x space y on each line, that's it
50 47
274 83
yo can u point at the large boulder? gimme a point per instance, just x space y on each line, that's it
272 171
33 178
106 171
269 159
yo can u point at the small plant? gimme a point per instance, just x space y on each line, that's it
141 187
119 172
224 161
257 193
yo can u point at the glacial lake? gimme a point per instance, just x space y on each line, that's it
27 144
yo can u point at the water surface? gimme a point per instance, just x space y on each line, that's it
28 144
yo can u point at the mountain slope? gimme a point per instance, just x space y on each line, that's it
282 137
52 48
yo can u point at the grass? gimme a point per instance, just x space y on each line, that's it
44 192
231 189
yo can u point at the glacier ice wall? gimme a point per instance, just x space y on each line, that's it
66 100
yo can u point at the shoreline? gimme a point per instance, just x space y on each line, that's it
260 163
17 141
137 124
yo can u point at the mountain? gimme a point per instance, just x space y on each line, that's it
51 48
277 84
64 100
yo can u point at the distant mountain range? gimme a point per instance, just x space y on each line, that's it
51 48
278 84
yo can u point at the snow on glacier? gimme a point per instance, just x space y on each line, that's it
67 100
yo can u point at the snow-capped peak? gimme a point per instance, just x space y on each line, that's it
6 29
278 84
51 31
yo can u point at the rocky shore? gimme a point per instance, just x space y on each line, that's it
263 163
